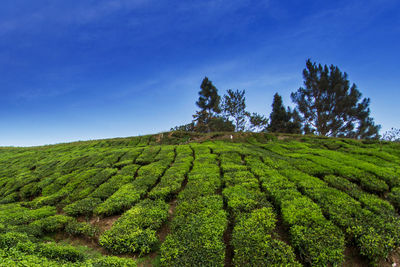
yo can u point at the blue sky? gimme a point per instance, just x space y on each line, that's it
88 69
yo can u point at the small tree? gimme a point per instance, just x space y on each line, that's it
208 102
330 106
185 128
295 123
258 122
392 135
220 124
282 120
234 106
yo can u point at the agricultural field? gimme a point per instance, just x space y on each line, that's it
178 199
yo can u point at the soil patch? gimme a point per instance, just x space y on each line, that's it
104 224
392 260
352 258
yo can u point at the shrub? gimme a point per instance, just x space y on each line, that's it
58 252
11 239
253 244
51 224
81 228
394 196
320 244
197 230
136 230
112 261
82 207
124 198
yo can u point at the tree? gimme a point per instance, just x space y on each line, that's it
234 106
220 124
294 125
209 104
185 128
330 106
257 122
282 120
392 135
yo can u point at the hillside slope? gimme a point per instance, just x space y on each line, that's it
178 199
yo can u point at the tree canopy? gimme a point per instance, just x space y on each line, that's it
234 106
326 105
330 106
282 120
208 118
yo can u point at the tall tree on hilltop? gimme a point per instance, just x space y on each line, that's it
330 106
209 104
234 106
282 120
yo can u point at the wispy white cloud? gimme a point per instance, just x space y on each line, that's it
55 13
347 18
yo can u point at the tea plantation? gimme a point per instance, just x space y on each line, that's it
179 199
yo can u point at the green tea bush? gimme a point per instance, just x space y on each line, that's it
112 261
129 170
82 207
129 194
108 188
58 252
254 245
17 215
167 152
348 213
394 196
81 228
370 201
319 244
131 154
11 239
317 240
148 155
52 224
122 199
108 161
14 258
171 181
137 229
197 232
387 175
241 199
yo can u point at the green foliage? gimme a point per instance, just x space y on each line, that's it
330 106
257 122
317 240
196 239
82 207
394 196
52 224
282 120
234 106
136 229
207 118
254 245
112 261
325 191
81 228
57 252
209 99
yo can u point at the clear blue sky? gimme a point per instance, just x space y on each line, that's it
79 70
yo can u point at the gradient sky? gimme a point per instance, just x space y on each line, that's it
88 69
